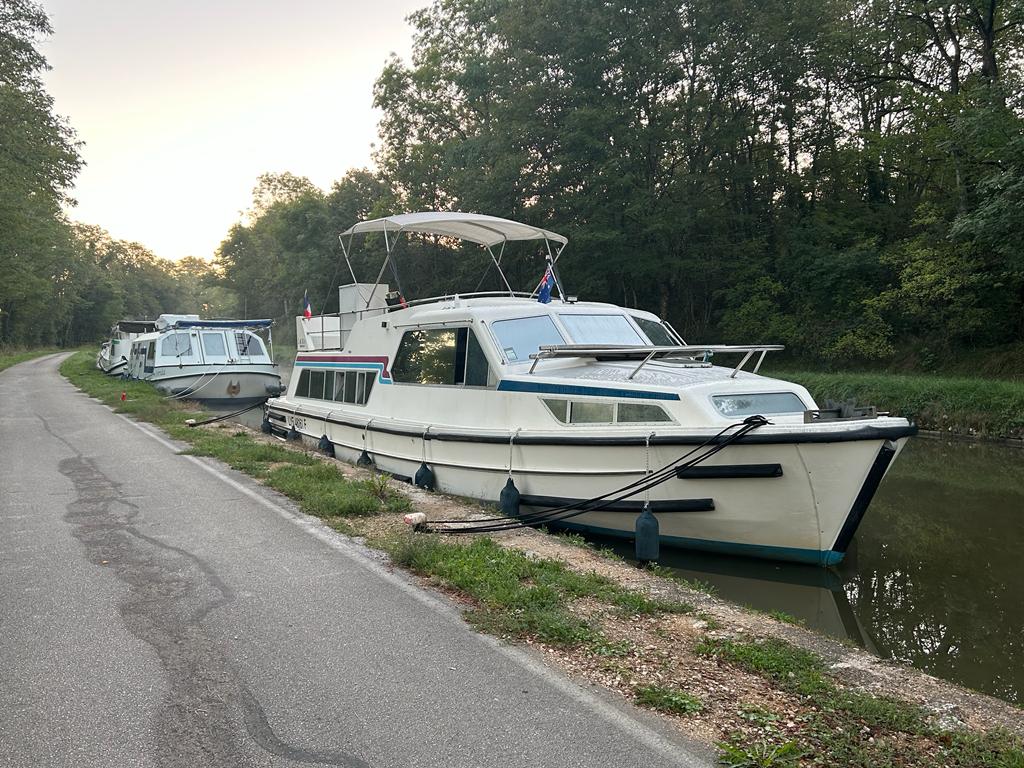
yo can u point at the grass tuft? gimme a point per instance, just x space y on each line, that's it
668 699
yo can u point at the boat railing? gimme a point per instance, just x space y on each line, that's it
688 355
404 304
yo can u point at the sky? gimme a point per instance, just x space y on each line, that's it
182 104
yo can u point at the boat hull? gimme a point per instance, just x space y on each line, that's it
110 367
796 496
217 384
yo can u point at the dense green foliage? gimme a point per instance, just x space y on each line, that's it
62 283
946 404
846 177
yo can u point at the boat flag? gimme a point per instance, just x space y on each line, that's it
307 309
544 289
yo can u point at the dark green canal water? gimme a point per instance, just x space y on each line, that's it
935 577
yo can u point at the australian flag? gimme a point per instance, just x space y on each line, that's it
307 308
544 289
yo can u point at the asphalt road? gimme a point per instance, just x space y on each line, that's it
158 610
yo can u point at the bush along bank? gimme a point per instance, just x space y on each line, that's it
757 691
961 406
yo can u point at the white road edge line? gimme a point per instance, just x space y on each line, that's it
334 540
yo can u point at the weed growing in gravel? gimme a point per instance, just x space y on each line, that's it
851 728
668 699
759 754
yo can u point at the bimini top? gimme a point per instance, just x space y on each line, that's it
474 227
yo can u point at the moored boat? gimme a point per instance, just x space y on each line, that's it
113 355
578 402
216 361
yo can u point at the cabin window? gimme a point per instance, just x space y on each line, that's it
640 413
559 409
248 345
440 356
522 337
213 344
582 412
339 385
316 384
302 388
656 332
352 387
176 345
762 403
600 329
151 353
586 412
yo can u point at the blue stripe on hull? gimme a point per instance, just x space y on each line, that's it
508 385
791 554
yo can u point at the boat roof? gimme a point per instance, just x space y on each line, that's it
135 326
474 227
265 323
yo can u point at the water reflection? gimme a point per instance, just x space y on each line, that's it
937 576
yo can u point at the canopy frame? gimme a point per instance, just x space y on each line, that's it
462 226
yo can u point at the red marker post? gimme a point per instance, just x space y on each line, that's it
124 396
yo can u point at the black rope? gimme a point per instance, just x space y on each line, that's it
565 512
257 404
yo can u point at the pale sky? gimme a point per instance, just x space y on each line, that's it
182 104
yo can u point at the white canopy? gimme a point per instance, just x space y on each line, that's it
474 227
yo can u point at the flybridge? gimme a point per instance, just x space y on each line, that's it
488 231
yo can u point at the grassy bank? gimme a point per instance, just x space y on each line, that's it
712 667
13 355
989 407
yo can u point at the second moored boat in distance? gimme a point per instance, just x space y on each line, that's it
587 412
216 361
113 355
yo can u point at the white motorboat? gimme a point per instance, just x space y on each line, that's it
113 355
216 361
580 406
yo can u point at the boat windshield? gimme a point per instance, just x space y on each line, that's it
523 336
601 329
656 332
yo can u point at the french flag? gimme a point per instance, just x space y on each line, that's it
544 289
307 309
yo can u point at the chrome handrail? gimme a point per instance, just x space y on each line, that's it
646 354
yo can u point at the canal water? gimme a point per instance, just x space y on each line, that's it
934 578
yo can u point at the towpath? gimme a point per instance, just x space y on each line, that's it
156 610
